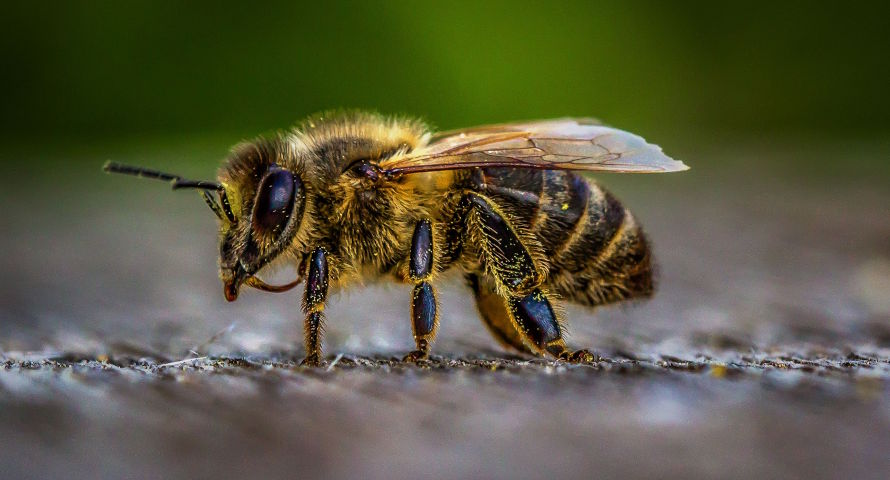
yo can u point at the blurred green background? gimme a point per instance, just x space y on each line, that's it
82 72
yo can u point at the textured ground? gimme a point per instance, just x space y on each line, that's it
765 354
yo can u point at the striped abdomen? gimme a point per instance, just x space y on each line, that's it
596 251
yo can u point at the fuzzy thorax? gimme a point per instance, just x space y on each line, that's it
341 204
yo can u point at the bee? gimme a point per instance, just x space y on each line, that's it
355 196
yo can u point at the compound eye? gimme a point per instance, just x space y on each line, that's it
275 201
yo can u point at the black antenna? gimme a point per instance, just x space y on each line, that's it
177 182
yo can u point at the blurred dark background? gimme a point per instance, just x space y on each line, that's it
79 72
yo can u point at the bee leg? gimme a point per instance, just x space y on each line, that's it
313 305
504 253
537 321
519 278
495 314
424 307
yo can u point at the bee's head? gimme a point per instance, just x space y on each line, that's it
265 186
260 200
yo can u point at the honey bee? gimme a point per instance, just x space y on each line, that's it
354 195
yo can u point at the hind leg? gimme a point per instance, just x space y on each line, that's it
495 315
534 316
533 313
524 305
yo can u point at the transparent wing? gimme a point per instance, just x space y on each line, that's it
572 144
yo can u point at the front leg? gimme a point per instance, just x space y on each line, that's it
424 308
313 305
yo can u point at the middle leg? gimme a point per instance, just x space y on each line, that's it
424 307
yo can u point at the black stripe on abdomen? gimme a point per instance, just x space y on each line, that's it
563 207
604 218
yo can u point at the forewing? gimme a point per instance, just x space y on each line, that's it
572 144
